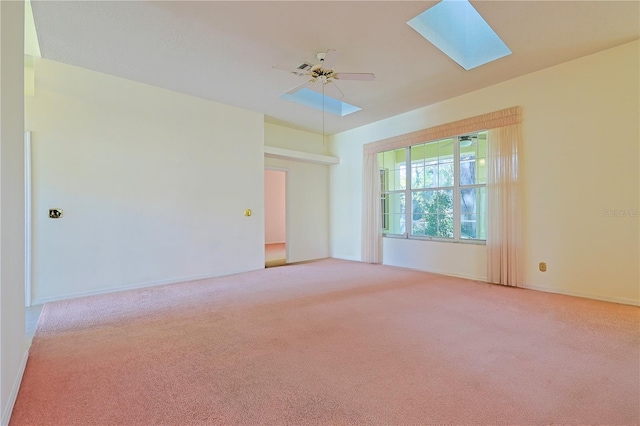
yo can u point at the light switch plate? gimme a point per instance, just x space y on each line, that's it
55 213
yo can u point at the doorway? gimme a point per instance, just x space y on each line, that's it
275 217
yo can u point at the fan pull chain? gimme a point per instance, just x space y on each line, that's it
323 114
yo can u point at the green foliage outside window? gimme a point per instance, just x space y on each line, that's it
433 214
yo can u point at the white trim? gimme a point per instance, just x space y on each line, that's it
534 288
43 300
437 272
351 258
441 272
27 218
530 287
620 300
6 415
287 218
289 154
464 276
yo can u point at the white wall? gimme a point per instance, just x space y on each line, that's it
307 193
153 184
275 219
580 162
298 140
13 348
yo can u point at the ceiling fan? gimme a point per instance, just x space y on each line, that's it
324 74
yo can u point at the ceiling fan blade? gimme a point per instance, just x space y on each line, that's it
331 89
363 76
330 59
300 87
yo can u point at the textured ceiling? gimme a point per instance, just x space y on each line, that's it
224 51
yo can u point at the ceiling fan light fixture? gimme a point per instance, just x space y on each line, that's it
467 141
457 29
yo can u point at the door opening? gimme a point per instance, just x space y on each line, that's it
275 217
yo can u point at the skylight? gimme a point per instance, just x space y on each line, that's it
456 28
310 98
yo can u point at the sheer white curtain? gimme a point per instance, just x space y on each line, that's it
371 225
504 208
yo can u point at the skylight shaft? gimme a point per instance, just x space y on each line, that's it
456 28
313 99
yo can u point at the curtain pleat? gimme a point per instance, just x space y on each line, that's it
371 221
504 206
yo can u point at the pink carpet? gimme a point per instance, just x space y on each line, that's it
332 342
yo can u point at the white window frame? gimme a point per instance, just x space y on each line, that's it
408 191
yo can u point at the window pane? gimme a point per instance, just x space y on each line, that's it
468 172
445 151
432 213
445 174
393 165
418 176
473 152
418 211
391 180
431 176
400 178
396 209
417 153
481 158
473 213
431 153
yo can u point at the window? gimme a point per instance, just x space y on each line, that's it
393 173
446 189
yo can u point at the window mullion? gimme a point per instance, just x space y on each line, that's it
408 199
456 189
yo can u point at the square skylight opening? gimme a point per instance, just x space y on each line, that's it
456 28
313 99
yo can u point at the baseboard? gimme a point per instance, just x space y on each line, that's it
463 276
67 296
6 415
352 258
43 300
441 272
620 300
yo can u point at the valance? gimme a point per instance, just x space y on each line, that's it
492 120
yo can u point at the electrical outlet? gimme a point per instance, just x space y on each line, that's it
542 266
